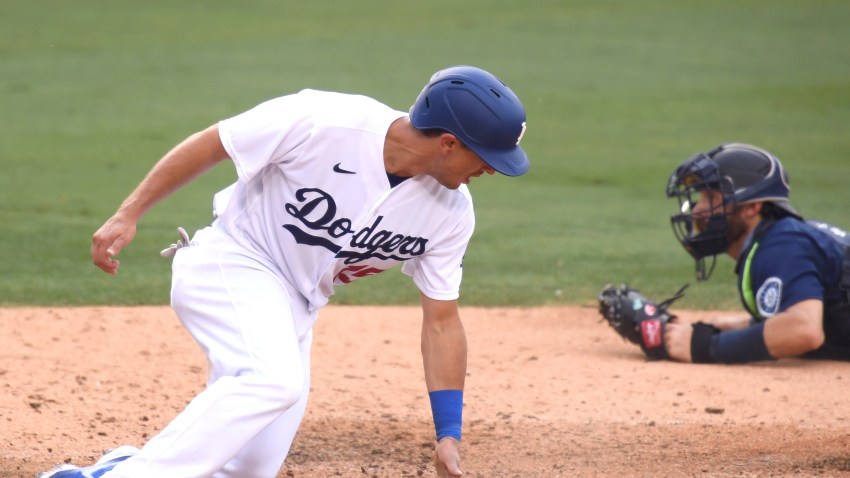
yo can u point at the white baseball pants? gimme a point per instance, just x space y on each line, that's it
256 333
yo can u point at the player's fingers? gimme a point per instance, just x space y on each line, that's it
106 244
441 469
446 471
99 255
670 331
447 464
102 257
117 245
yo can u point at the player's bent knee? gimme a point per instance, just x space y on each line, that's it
279 392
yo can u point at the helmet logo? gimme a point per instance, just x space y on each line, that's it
521 134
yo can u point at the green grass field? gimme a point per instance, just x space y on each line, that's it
617 94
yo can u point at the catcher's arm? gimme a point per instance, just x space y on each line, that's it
725 322
730 322
793 332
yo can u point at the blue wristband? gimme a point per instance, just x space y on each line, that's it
740 346
447 409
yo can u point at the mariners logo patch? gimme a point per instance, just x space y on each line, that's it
769 296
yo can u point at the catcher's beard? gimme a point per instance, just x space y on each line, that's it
736 228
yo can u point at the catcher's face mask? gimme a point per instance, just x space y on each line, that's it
706 200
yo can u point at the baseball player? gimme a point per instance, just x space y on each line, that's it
793 275
331 188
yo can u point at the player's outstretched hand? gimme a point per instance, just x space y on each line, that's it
447 458
108 241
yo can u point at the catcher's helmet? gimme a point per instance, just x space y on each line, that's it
480 110
742 174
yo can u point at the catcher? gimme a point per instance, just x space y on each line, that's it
793 275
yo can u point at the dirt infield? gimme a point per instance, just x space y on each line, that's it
551 392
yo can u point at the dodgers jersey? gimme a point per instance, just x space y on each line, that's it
313 198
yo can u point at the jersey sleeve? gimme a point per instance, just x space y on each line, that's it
271 132
438 273
787 272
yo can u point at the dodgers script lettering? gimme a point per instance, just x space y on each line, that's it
317 211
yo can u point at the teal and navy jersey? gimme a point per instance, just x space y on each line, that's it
789 261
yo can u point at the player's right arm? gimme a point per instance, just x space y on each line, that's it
188 160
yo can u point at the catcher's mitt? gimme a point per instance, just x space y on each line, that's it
637 318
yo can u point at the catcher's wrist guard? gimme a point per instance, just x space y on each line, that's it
701 342
637 318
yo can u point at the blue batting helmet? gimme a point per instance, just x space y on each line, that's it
480 110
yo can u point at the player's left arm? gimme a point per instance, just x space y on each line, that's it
444 359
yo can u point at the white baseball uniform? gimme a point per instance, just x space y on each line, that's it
312 208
